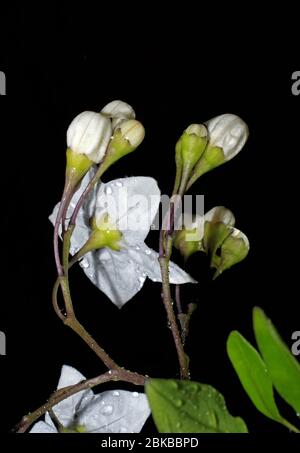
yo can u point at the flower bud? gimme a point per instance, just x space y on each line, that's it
228 132
118 111
225 244
189 149
234 249
227 135
218 225
127 137
193 143
89 134
189 240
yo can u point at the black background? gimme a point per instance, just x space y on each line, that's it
61 60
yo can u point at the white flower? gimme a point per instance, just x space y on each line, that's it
118 111
113 411
131 204
228 132
89 133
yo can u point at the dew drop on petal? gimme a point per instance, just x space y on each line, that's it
119 184
107 409
85 264
148 252
135 394
108 190
116 393
137 247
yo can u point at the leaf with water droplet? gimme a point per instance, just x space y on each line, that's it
186 407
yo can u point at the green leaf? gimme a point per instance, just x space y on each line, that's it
282 365
190 407
253 375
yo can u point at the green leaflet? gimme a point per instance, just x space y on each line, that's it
282 365
190 407
253 375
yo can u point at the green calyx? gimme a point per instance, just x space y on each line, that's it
77 166
185 243
225 245
76 429
104 234
212 157
188 151
233 250
119 147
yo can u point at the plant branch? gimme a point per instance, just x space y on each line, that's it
70 320
184 372
66 392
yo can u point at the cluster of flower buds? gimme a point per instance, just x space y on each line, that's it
213 233
203 147
103 137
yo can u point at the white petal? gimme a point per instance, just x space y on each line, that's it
131 203
121 275
42 427
220 214
240 235
89 133
229 132
118 111
66 409
115 411
114 273
147 260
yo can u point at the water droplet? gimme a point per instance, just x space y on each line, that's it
178 403
108 190
118 184
154 279
116 393
178 425
110 372
85 264
107 410
135 394
193 387
297 414
173 384
148 252
137 247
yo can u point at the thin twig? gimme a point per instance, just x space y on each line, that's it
61 394
184 372
178 299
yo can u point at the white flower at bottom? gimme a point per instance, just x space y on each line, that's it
131 204
113 411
